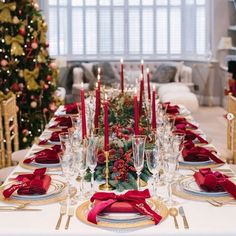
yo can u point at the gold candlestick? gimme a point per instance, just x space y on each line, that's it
106 186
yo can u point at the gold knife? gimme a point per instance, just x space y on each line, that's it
181 212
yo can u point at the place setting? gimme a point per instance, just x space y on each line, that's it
34 188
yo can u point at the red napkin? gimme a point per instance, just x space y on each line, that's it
131 201
214 181
71 108
170 109
54 137
182 121
63 122
46 156
197 154
190 135
36 183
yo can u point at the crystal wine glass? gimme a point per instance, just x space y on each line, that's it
138 146
65 140
153 163
92 158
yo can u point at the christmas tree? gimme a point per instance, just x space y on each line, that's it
26 68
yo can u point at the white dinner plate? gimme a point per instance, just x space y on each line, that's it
196 163
55 188
189 185
47 165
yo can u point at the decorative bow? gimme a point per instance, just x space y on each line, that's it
15 42
5 96
30 78
42 29
5 14
135 198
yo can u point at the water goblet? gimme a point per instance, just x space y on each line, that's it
138 146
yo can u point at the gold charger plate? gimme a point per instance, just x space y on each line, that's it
160 208
210 165
180 192
59 196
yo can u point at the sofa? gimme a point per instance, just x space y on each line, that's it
161 72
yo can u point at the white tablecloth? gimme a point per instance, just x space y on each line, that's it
203 218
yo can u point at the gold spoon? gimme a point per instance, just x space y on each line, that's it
174 212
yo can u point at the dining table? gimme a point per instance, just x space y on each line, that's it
203 218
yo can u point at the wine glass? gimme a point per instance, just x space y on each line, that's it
170 168
153 163
138 146
65 141
69 172
92 158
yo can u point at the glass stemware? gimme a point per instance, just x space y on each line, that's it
138 146
153 163
92 158
170 168
65 140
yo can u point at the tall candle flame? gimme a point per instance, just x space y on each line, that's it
142 61
148 70
96 85
154 87
121 60
82 85
105 97
98 77
99 70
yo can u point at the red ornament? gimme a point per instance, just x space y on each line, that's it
49 78
45 86
15 87
22 31
4 62
34 45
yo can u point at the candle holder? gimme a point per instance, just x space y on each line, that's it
106 186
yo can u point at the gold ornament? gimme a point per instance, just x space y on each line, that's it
21 73
30 78
15 42
33 104
15 20
5 11
41 58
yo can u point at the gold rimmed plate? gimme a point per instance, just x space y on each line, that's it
122 221
55 193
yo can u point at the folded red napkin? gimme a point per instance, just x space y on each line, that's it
190 135
214 181
197 154
46 156
71 108
62 121
36 183
170 109
54 137
131 201
181 121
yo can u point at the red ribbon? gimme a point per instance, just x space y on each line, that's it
135 198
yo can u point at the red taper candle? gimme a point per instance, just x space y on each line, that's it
121 75
97 108
136 114
154 122
106 125
141 94
148 85
83 112
142 66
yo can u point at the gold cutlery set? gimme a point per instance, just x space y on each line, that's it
174 213
21 207
63 211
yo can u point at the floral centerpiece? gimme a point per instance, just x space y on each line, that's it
121 126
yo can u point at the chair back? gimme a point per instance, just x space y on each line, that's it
2 148
10 127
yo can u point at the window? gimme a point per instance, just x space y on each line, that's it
89 29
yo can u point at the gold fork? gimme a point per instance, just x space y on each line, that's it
62 213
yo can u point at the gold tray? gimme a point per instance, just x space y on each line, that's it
160 208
